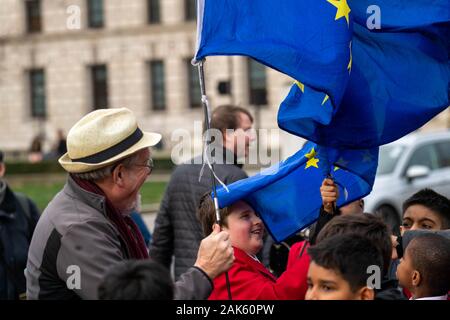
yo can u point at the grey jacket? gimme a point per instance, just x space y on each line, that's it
177 229
74 245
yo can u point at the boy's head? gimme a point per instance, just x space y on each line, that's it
240 220
425 267
356 206
365 225
339 268
426 209
137 280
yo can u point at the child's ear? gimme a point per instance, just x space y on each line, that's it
416 278
366 293
402 230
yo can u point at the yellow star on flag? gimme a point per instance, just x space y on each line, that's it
312 162
325 99
300 85
343 9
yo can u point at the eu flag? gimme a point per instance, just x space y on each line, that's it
302 39
286 195
357 86
399 76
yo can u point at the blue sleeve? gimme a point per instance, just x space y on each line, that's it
137 218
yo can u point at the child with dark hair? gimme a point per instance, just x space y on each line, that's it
340 268
426 209
425 267
137 280
363 225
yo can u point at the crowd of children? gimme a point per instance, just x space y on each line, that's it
351 255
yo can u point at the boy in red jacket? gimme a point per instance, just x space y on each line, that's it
248 278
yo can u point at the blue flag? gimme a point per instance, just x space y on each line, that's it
307 40
399 77
286 195
355 89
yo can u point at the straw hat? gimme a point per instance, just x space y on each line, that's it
102 137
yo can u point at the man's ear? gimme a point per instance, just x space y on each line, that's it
366 293
118 174
416 278
2 169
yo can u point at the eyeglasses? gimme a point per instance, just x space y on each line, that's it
149 165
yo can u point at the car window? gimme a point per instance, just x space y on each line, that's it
443 150
424 156
388 158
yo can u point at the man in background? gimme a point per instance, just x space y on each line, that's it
18 218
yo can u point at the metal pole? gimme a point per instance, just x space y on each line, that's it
201 74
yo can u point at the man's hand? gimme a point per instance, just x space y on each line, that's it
215 254
329 193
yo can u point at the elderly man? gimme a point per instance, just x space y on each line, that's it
86 228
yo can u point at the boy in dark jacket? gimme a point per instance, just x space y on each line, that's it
424 269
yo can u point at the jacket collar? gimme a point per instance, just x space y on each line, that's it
243 256
93 200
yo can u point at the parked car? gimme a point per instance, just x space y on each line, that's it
414 162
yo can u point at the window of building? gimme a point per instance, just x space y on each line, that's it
157 85
37 93
95 13
190 7
195 99
257 83
99 75
33 15
154 11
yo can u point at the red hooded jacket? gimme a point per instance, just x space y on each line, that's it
250 280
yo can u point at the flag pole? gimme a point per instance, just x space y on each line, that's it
207 114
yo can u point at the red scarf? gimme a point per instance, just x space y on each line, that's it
125 225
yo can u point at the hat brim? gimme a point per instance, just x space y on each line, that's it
148 139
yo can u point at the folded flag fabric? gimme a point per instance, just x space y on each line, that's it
355 89
399 77
307 40
286 195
